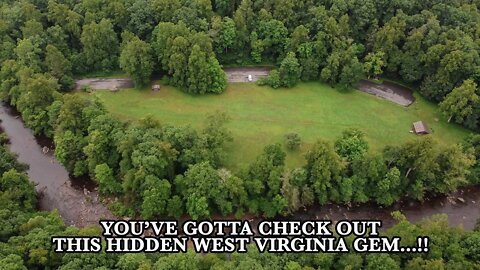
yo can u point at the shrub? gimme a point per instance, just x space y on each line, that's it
292 141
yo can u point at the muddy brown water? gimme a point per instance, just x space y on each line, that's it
388 90
81 207
75 198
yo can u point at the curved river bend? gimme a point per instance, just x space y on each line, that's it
81 207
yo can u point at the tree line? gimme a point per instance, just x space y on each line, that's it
432 44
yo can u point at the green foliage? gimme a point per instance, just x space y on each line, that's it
156 194
374 63
100 45
352 145
292 141
289 70
106 180
324 170
59 67
28 54
427 166
16 187
461 102
136 61
37 93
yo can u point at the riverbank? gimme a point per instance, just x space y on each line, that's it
76 204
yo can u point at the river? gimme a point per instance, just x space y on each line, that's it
78 203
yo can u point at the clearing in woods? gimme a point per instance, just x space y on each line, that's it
261 116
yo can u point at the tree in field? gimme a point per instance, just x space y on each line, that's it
461 102
178 62
100 45
197 72
216 75
290 70
324 170
136 61
292 141
374 63
352 144
351 74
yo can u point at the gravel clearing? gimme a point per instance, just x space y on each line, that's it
389 91
105 84
240 74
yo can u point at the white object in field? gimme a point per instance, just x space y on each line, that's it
250 78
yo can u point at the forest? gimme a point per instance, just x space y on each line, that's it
158 170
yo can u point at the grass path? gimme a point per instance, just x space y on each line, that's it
260 115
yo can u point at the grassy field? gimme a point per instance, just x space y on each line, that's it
261 116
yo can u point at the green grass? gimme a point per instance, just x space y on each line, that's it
261 116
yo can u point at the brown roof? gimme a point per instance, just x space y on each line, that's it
420 127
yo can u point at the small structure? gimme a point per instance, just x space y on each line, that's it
250 78
156 87
420 128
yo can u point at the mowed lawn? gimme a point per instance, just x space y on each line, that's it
261 116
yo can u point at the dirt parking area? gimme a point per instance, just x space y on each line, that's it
240 74
105 84
389 91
